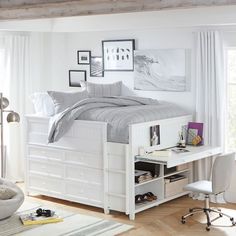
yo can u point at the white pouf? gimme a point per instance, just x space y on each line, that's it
9 206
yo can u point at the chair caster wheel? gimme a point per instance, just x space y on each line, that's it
183 222
190 210
220 215
232 219
208 228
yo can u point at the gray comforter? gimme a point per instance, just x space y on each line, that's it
118 112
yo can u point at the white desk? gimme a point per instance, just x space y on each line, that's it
157 185
175 159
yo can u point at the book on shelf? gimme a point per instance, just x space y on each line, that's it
174 178
33 219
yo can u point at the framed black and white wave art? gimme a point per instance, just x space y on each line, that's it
118 55
75 77
163 69
96 67
83 57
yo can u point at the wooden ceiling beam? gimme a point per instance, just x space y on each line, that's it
35 9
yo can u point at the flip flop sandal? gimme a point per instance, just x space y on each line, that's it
151 195
146 197
139 199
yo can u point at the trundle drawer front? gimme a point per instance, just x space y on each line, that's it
84 191
84 174
84 159
46 168
46 184
46 153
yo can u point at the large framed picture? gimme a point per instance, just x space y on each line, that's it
161 70
75 77
83 57
118 55
96 67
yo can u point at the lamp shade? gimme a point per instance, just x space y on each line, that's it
13 117
5 102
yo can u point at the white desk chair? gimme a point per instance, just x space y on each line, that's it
221 178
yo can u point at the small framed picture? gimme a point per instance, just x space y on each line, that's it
96 67
118 55
155 135
83 57
76 76
195 133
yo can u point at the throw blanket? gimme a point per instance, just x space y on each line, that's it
118 112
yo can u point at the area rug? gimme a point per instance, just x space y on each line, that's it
73 224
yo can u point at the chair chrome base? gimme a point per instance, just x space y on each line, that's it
207 211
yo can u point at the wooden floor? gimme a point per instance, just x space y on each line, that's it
163 220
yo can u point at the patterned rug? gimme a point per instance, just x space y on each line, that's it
73 224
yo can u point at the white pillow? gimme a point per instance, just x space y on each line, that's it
6 192
43 104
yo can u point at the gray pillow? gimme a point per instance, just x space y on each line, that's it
104 90
6 192
63 100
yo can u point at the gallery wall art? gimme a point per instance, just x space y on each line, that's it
83 57
160 69
118 55
76 77
96 67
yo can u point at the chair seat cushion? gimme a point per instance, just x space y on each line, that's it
202 186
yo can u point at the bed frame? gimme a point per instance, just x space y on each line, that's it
83 167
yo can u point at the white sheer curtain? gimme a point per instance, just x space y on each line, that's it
16 86
210 94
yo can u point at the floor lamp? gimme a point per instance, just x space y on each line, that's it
11 117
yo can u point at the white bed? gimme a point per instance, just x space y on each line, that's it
83 167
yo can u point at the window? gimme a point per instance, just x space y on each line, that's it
231 105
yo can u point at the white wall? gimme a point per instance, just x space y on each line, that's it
62 51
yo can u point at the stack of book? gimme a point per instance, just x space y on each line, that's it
33 219
142 176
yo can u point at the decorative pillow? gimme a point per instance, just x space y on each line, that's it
43 104
63 100
104 90
6 192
